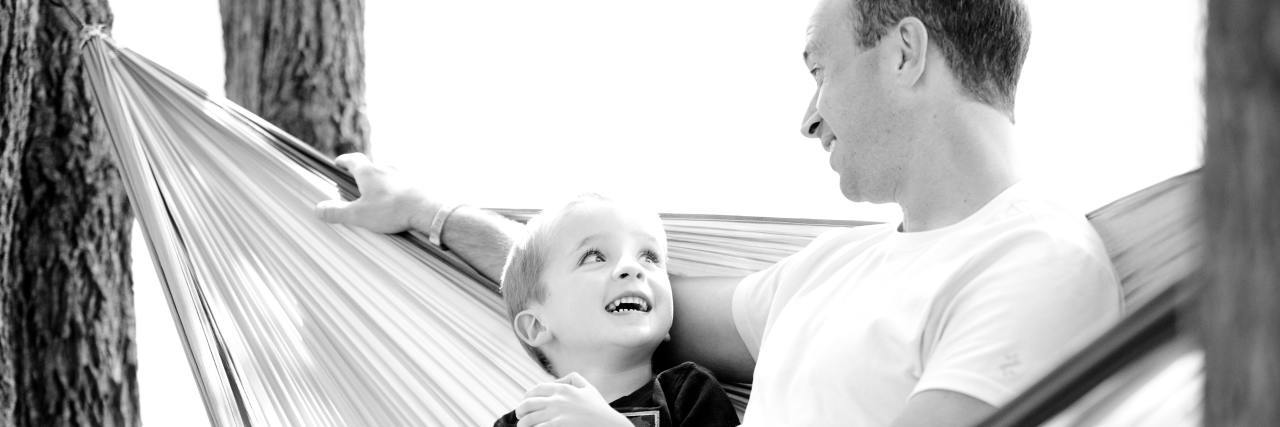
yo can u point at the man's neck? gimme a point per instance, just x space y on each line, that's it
961 167
614 376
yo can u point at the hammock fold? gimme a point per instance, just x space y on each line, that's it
290 321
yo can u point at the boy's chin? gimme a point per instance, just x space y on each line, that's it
636 337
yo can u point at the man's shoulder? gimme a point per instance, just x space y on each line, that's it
1039 246
1028 221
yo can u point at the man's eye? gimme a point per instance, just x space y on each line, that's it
591 256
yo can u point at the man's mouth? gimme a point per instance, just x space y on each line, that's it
628 304
827 142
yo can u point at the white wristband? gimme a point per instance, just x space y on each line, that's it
437 223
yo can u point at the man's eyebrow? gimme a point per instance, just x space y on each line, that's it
811 49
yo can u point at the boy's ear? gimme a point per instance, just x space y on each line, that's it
530 329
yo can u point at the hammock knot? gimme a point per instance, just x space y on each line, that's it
90 31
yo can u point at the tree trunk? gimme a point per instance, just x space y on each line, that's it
68 293
1241 306
300 64
17 56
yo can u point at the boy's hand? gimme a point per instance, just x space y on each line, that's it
387 203
568 401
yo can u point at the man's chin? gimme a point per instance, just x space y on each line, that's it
850 191
855 192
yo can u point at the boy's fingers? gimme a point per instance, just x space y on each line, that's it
546 389
350 161
575 380
531 405
333 211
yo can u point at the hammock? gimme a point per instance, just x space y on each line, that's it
290 321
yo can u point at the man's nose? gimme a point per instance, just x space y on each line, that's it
811 126
628 270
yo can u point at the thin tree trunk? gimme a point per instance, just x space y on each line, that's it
1241 306
69 304
17 56
300 64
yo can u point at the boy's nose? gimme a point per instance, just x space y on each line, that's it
629 271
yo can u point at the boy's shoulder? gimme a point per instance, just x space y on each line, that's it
687 372
692 396
686 369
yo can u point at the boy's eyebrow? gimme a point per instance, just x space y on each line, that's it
642 236
586 240
639 236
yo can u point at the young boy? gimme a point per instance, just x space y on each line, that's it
589 297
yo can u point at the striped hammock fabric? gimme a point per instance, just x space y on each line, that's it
290 321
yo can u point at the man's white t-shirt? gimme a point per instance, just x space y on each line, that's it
847 330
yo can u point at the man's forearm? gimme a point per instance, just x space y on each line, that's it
481 238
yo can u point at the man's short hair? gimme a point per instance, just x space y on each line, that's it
522 275
984 41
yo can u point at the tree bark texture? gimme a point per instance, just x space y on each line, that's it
69 298
17 56
300 65
1241 305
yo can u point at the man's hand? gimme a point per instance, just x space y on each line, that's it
568 401
387 203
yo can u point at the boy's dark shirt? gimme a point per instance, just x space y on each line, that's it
686 395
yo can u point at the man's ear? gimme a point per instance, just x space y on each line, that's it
530 329
913 48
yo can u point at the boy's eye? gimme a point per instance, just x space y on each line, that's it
591 256
651 257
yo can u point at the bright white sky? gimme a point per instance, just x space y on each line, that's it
687 106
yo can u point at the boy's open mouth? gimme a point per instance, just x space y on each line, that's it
628 304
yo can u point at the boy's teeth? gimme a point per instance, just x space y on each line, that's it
632 304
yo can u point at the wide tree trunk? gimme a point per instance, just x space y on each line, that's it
68 355
300 64
1241 305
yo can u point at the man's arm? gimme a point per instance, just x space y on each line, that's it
388 204
481 238
942 408
704 331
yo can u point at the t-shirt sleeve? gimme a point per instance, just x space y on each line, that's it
696 398
759 293
1018 317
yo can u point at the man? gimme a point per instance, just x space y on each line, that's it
934 321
